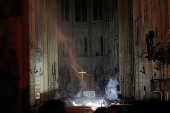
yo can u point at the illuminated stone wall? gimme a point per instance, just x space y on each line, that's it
43 51
149 15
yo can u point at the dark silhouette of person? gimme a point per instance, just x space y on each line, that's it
101 110
115 109
150 106
52 106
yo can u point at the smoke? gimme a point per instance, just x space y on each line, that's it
111 88
79 94
67 47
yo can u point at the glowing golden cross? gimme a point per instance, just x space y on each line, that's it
82 73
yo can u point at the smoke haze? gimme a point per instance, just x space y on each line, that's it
111 88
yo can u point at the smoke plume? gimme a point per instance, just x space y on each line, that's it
111 88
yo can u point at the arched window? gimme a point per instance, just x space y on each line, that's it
97 10
101 43
62 9
76 45
81 47
77 11
85 44
81 11
84 11
100 9
65 10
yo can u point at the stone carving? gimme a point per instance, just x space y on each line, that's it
37 68
37 65
143 69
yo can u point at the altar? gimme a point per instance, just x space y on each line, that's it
89 94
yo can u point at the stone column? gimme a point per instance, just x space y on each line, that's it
37 77
56 47
72 17
89 19
158 20
148 74
32 53
32 25
103 33
45 61
124 58
42 90
32 77
135 46
120 46
49 46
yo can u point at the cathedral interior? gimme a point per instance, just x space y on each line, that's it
83 52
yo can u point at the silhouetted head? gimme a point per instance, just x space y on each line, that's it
52 106
101 110
115 109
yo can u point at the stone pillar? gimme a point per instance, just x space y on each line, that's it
32 25
103 33
37 76
90 47
121 45
56 48
52 40
125 61
49 46
42 90
45 55
72 17
158 20
32 77
135 77
149 73
32 53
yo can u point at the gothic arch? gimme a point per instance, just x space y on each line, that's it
101 44
85 46
97 46
79 47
